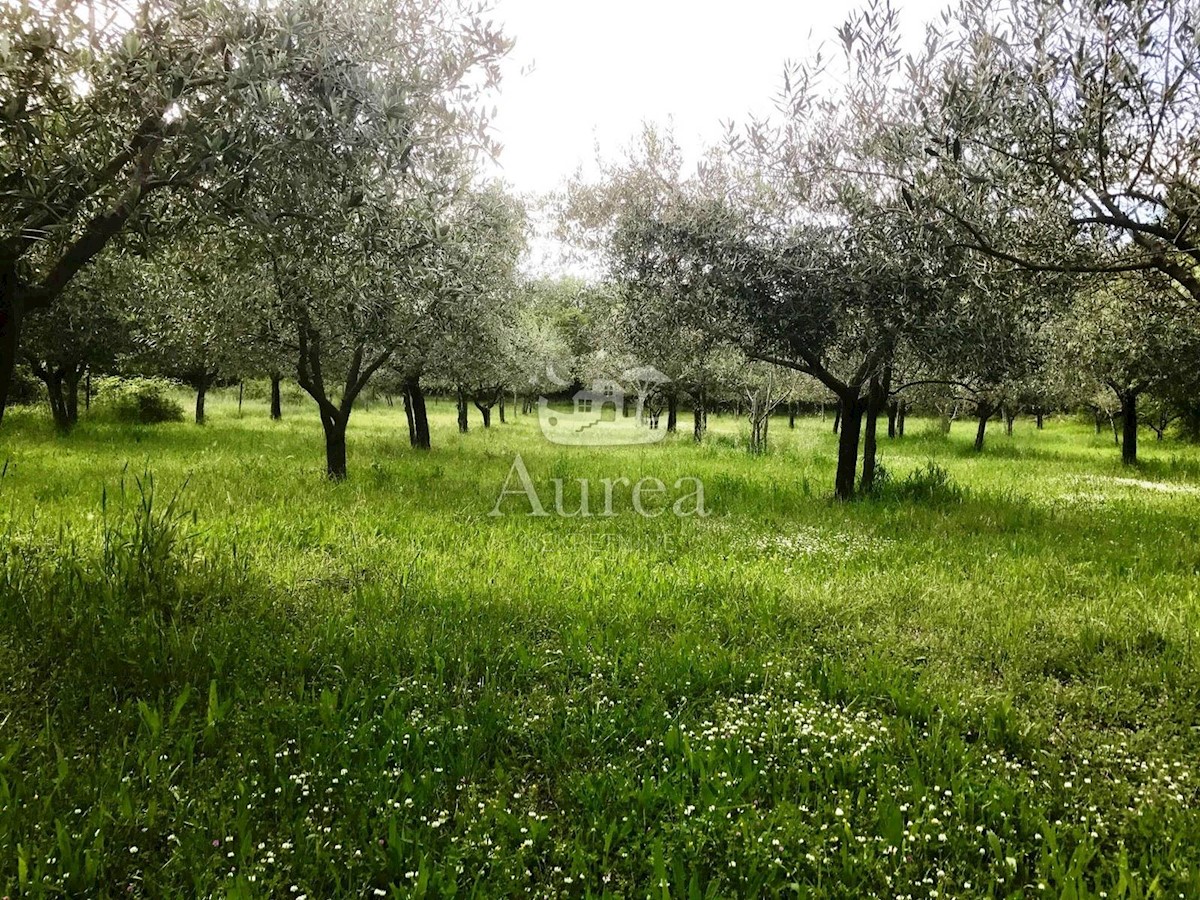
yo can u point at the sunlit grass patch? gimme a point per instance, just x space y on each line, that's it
376 687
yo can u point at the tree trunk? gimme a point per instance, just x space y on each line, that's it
416 397
699 419
463 421
1129 427
1099 421
10 335
837 419
486 413
87 391
1040 418
276 397
792 414
501 404
893 413
53 379
1009 417
850 412
201 390
875 401
984 413
901 414
58 404
672 413
408 416
335 446
72 381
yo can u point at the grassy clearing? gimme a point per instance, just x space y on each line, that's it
278 687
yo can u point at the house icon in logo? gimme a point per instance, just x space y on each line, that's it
600 415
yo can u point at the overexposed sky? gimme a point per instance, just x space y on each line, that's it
602 67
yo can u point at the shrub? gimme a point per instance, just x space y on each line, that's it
25 390
140 401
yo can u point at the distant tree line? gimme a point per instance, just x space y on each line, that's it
1002 223
1005 220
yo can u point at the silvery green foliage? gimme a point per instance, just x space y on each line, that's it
1063 136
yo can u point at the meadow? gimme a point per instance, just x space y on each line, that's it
222 675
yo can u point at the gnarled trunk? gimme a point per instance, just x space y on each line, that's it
485 399
335 445
201 391
62 390
408 417
875 401
415 395
672 413
276 397
53 379
1129 427
983 411
71 381
464 422
850 413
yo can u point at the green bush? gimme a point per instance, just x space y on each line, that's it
25 389
139 401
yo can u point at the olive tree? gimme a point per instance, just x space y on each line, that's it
1132 336
474 345
88 332
194 312
362 156
1061 136
105 105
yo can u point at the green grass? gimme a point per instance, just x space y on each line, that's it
244 681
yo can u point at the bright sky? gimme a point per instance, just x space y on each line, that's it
602 67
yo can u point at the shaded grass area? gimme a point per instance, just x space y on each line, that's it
377 689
